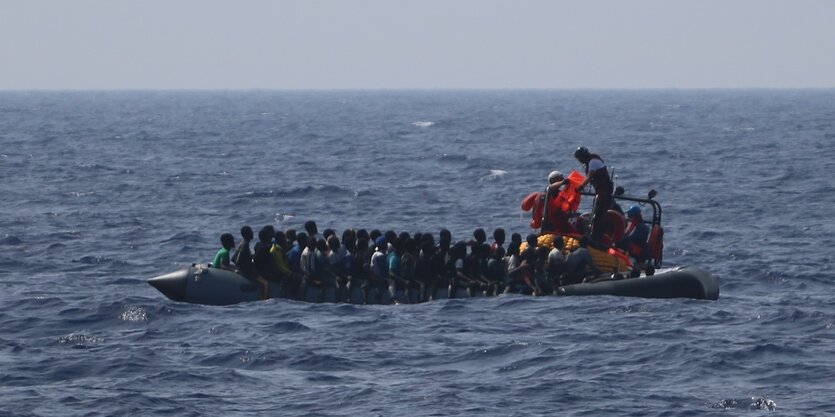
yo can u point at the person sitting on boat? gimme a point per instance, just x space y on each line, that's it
556 220
556 263
598 176
579 264
227 242
636 236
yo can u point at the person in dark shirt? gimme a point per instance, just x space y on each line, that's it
243 261
262 260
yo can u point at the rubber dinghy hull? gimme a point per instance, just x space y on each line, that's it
211 286
687 282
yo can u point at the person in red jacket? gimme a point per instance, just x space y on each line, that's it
556 220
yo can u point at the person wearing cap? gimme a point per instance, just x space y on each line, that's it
636 236
556 220
598 176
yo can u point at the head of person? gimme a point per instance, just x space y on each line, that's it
280 239
619 190
391 236
479 235
227 240
290 234
582 155
381 243
310 227
312 242
499 253
404 235
445 238
265 234
321 245
350 243
634 212
559 242
418 237
555 176
333 243
513 249
246 233
362 234
362 245
531 239
348 234
374 235
328 233
302 239
499 236
516 238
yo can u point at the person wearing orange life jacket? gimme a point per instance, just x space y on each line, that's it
598 176
636 236
556 220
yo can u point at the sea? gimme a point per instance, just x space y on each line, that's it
100 191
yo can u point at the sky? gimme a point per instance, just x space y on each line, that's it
426 44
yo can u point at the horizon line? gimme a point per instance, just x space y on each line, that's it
409 89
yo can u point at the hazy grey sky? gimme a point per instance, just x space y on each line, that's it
308 44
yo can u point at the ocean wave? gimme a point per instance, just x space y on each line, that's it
304 191
423 124
495 174
752 403
10 241
446 157
80 340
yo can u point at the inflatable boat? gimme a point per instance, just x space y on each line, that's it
614 274
203 285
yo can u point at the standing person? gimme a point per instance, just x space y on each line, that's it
221 260
311 229
440 271
378 267
556 220
598 176
262 260
279 254
498 240
308 263
294 259
243 261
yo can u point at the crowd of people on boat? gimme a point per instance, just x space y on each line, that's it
380 262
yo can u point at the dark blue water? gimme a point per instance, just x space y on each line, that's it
101 191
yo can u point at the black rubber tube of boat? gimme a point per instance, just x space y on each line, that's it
689 282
